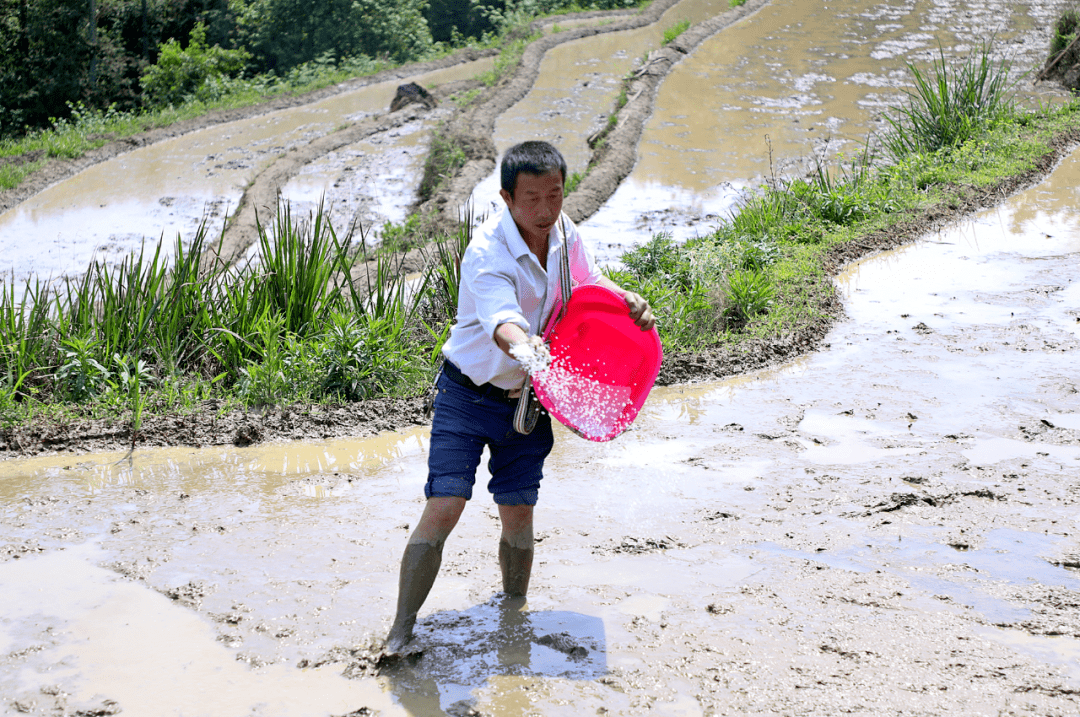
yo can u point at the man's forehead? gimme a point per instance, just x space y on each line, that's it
539 182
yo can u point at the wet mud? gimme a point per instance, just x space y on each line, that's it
885 526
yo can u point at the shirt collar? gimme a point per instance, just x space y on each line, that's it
516 243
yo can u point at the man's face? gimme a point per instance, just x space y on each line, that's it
536 203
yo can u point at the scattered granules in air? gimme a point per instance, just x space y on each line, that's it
594 408
532 358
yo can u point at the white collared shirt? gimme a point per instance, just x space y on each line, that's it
502 282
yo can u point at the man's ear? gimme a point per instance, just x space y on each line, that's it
506 197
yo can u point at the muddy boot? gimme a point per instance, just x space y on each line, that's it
516 564
419 566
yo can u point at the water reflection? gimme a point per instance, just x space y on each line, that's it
503 644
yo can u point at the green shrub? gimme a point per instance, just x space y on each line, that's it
367 357
196 70
659 258
748 294
81 375
400 237
1065 30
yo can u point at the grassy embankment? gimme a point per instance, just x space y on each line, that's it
163 336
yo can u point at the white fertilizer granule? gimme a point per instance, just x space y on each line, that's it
592 407
532 358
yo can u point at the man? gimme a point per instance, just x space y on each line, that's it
509 283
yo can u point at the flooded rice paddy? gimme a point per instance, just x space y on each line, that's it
576 91
793 80
169 188
888 526
799 76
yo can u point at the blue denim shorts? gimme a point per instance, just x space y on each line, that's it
466 421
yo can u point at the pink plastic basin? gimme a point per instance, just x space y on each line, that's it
603 365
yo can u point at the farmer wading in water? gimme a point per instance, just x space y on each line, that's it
509 283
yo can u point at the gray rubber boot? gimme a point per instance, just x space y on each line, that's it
516 564
419 566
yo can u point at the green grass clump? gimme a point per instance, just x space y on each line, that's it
951 105
675 30
445 157
508 59
12 175
1065 30
164 333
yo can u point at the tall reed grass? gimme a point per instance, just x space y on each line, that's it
290 323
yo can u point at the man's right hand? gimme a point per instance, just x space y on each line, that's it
640 311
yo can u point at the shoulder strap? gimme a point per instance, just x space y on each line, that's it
564 275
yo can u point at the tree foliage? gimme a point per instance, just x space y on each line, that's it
139 52
450 19
181 73
46 53
286 33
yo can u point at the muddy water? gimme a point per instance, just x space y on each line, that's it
576 91
887 526
370 182
168 188
795 79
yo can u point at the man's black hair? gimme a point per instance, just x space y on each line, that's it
532 157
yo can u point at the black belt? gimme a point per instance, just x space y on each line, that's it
453 373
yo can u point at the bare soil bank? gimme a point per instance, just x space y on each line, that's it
207 428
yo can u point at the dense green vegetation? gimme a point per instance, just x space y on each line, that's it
163 335
1064 59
